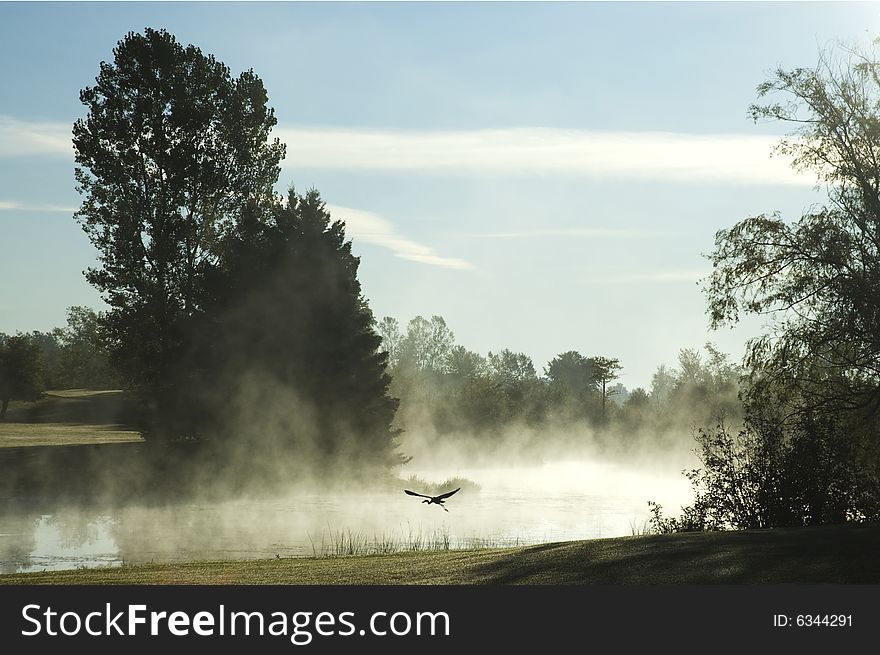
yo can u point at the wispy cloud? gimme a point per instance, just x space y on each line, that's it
371 228
678 157
22 138
362 225
732 158
12 205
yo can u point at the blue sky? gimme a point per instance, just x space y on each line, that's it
546 176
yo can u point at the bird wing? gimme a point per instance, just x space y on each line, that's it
413 493
447 494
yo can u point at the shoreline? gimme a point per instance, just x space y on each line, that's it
837 554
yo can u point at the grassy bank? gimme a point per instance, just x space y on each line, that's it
829 554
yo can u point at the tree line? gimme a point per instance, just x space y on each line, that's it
460 391
451 390
70 357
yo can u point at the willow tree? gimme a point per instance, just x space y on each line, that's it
172 148
812 390
817 276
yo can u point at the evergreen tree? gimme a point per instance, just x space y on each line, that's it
292 322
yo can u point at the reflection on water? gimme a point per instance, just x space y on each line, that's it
66 545
551 502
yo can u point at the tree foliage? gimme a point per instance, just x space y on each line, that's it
808 450
288 316
463 364
769 475
606 371
83 358
426 345
574 373
20 370
510 368
388 330
817 276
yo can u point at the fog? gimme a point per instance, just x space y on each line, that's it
264 496
289 474
513 505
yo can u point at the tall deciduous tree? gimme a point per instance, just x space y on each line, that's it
427 344
389 331
170 152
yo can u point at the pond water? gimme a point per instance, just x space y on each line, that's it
514 505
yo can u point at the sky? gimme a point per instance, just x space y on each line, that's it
545 176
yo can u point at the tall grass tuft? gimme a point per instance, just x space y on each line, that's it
344 543
643 529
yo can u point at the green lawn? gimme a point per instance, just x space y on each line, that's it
66 418
830 554
61 434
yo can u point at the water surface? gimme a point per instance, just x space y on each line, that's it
515 505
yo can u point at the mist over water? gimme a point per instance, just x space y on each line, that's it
515 505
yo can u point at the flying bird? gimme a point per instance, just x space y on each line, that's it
436 500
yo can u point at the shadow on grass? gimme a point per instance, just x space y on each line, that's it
844 554
77 407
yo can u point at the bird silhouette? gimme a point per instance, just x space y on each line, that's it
436 500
